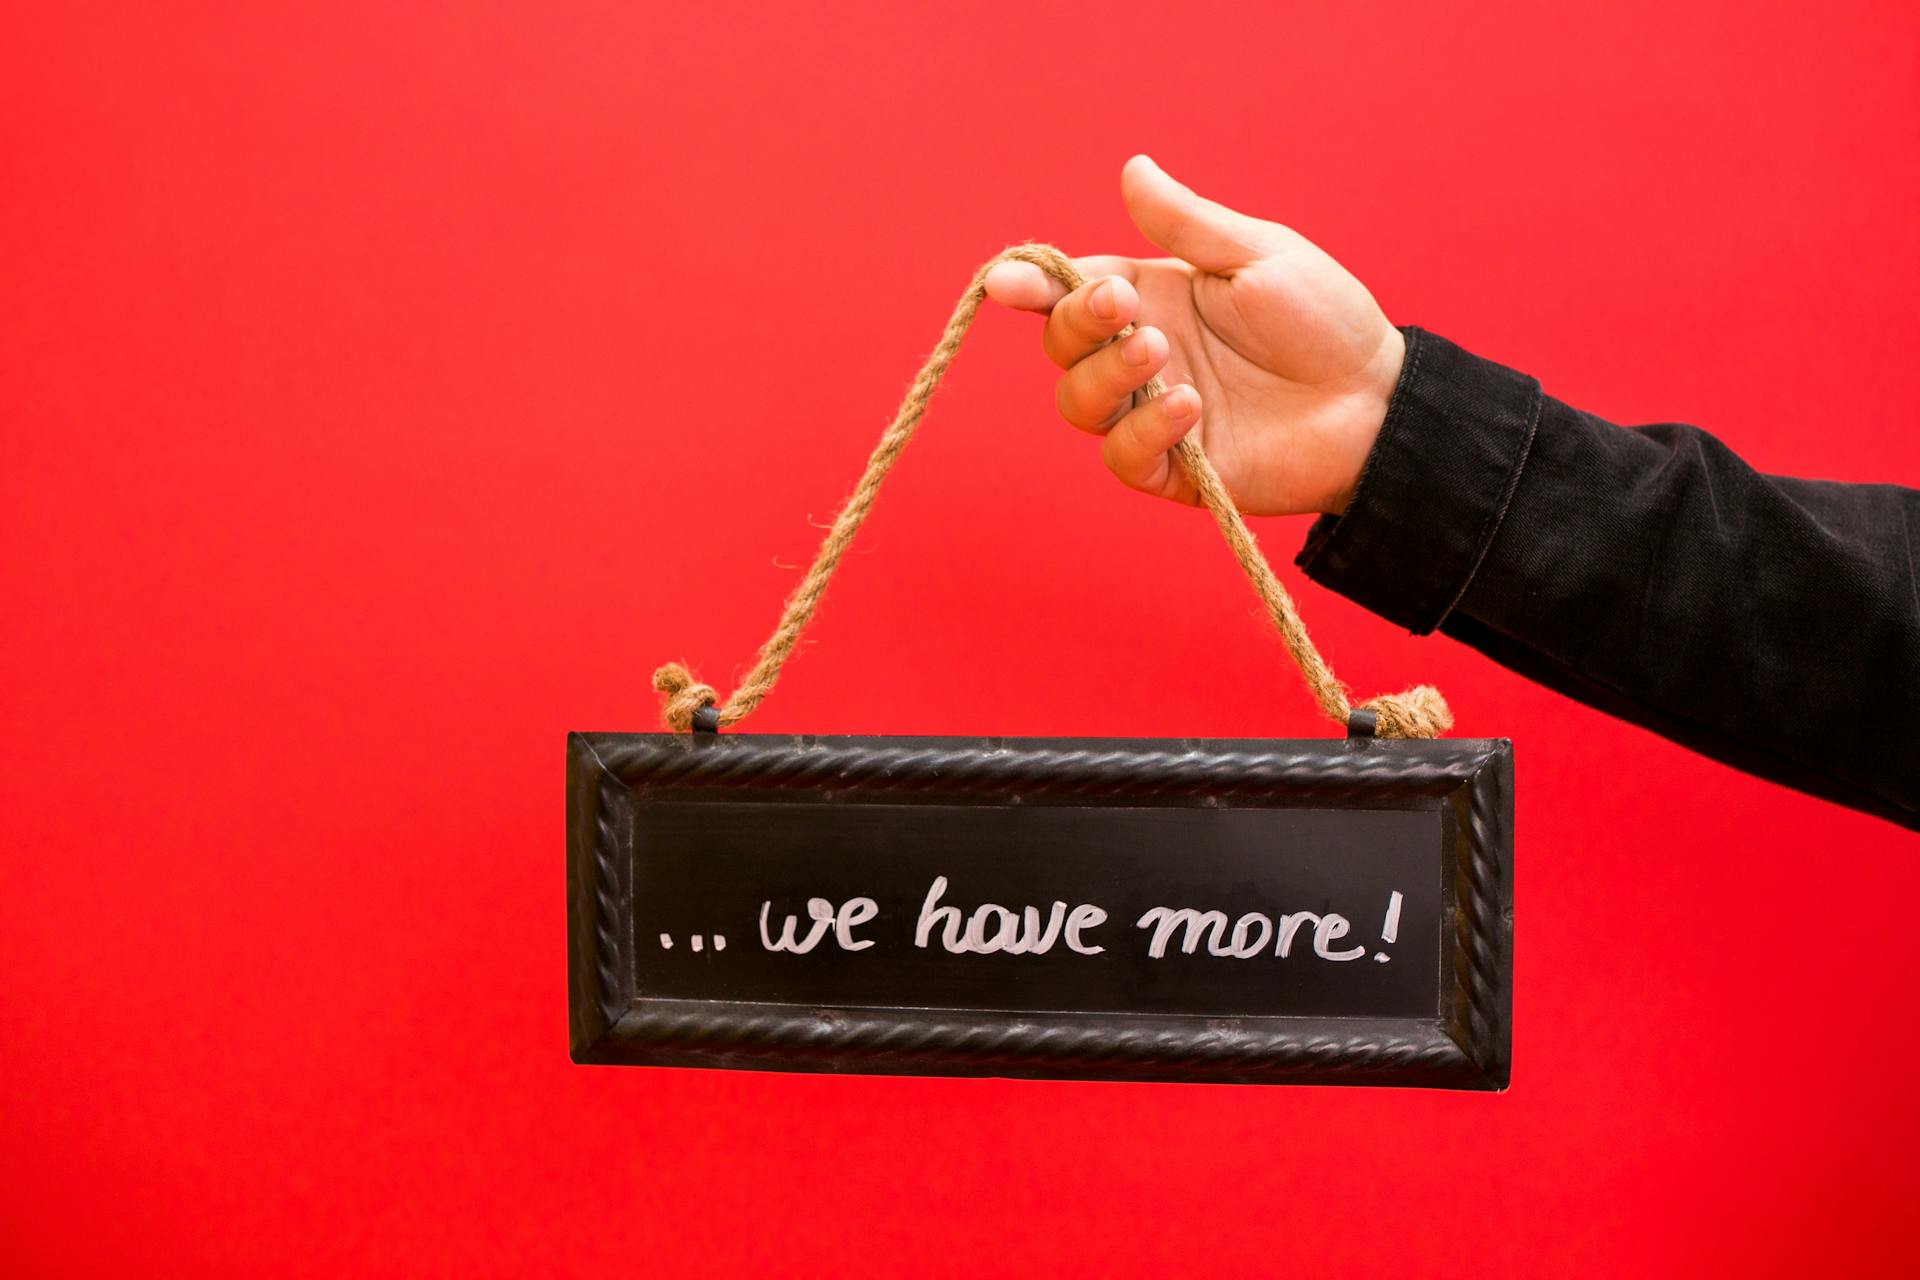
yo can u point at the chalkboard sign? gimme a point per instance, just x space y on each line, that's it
1237 911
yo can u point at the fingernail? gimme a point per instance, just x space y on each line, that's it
1180 403
1101 301
1134 349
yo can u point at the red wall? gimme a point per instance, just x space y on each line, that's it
386 392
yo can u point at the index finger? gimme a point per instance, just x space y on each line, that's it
1025 287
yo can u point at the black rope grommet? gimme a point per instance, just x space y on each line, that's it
707 719
1361 723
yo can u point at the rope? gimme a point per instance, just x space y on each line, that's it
1420 712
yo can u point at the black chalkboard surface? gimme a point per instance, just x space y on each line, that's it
1250 911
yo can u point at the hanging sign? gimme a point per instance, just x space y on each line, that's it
1261 912
1265 912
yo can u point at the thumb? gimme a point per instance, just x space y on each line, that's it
1209 235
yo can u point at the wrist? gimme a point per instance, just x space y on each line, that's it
1375 394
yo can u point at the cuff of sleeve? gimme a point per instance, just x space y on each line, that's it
1434 488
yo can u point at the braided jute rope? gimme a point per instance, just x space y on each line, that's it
1420 712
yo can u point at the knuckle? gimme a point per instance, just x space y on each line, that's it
1113 452
1077 403
1055 340
1066 398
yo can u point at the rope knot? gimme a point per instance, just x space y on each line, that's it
682 696
1420 712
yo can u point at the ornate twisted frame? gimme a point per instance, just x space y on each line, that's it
1466 1044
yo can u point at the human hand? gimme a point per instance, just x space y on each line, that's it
1277 360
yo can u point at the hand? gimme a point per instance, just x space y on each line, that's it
1278 361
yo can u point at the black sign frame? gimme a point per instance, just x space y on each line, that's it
1465 1044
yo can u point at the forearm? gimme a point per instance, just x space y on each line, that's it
1767 622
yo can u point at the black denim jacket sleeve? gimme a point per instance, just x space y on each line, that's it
1770 623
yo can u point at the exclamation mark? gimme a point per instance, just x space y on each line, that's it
1390 930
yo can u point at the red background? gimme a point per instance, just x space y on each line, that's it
388 389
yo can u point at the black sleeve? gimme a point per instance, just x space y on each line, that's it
1770 623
